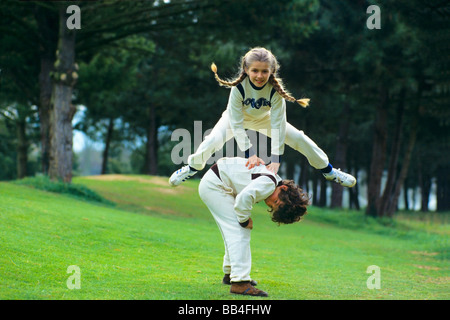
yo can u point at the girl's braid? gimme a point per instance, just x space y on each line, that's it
224 83
286 95
262 55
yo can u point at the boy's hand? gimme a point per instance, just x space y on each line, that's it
273 167
250 224
254 161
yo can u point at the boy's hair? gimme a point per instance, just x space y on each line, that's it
295 201
261 55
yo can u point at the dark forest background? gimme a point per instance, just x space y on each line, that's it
138 70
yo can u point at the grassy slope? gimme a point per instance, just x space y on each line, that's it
162 243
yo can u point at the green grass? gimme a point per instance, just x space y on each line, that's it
158 243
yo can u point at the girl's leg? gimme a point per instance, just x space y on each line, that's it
299 141
220 134
316 157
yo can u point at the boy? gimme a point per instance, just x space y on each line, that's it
230 189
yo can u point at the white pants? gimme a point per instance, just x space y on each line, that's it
237 261
221 133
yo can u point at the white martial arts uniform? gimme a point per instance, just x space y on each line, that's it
229 189
262 110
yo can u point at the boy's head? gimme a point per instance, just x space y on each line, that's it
288 203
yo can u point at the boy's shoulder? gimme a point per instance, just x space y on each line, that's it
237 164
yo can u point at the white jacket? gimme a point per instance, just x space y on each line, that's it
249 103
247 186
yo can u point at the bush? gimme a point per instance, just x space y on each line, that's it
76 190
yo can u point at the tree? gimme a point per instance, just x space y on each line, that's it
18 117
62 110
321 67
405 77
115 21
47 35
105 84
18 88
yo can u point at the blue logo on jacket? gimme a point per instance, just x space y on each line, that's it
256 104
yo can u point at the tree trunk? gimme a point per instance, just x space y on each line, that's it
62 111
290 168
107 145
323 193
413 197
443 188
45 85
304 174
151 163
397 141
22 149
405 194
354 195
378 154
425 186
47 29
340 155
393 203
315 183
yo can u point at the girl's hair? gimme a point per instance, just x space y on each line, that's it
294 207
261 55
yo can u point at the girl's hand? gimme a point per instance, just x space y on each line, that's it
254 161
273 167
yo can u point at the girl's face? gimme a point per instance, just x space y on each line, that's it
258 73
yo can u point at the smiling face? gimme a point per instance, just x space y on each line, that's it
258 73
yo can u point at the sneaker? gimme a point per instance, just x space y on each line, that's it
181 175
344 179
245 288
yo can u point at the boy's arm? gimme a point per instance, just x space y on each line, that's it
259 189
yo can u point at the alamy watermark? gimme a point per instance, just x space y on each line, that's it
374 281
74 20
374 21
74 280
211 145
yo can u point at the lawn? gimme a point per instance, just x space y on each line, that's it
155 242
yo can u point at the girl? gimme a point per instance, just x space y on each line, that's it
257 102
